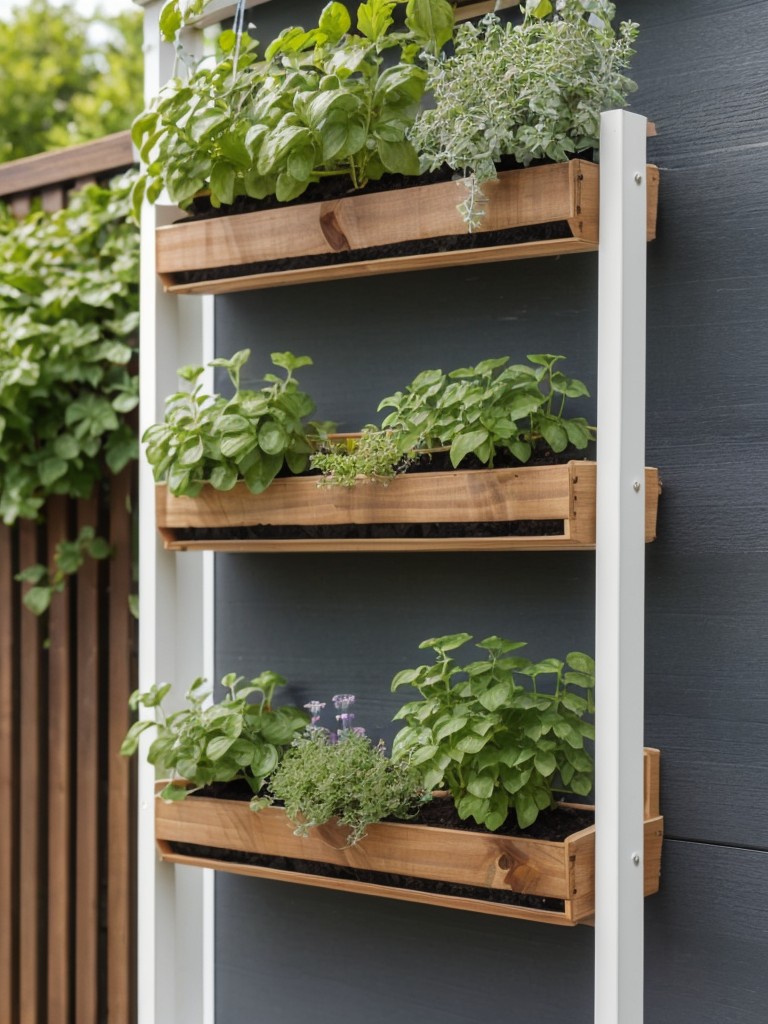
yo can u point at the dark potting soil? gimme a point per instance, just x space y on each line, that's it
377 531
445 243
553 825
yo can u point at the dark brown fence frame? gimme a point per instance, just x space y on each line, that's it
67 798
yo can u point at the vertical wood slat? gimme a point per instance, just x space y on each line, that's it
59 818
31 769
119 806
20 206
86 951
8 775
53 199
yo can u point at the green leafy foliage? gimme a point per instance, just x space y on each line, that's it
500 733
236 738
322 102
250 436
352 780
64 84
374 456
68 320
68 557
479 410
529 90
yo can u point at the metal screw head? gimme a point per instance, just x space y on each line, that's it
636 859
638 178
636 486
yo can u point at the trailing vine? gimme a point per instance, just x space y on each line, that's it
68 340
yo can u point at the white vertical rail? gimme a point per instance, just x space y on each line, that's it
620 569
175 961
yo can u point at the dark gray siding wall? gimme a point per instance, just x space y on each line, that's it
287 954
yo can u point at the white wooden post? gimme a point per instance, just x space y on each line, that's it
620 571
175 905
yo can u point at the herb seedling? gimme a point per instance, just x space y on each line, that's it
482 409
205 743
251 436
323 102
492 734
351 780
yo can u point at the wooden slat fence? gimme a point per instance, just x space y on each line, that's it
67 798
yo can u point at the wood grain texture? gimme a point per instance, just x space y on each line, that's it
112 153
535 195
33 714
538 195
120 833
60 787
8 785
88 773
385 265
558 870
565 492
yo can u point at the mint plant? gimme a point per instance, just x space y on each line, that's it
532 90
250 436
351 780
235 738
494 733
323 102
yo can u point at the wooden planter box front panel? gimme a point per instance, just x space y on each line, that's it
565 493
550 193
563 871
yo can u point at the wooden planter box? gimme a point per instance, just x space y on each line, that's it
548 194
555 870
565 493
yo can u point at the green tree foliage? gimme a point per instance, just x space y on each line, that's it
66 79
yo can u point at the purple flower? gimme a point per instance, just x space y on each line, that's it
314 707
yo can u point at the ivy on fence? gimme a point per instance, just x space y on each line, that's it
68 343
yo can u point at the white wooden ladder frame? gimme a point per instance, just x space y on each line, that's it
176 926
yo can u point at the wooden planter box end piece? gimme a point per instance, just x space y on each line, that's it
564 493
543 195
560 871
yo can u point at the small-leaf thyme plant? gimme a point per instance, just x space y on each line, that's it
343 775
532 90
325 102
236 738
482 411
251 436
502 733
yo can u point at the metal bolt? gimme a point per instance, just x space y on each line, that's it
636 486
638 178
636 859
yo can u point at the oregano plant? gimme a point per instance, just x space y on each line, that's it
529 90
